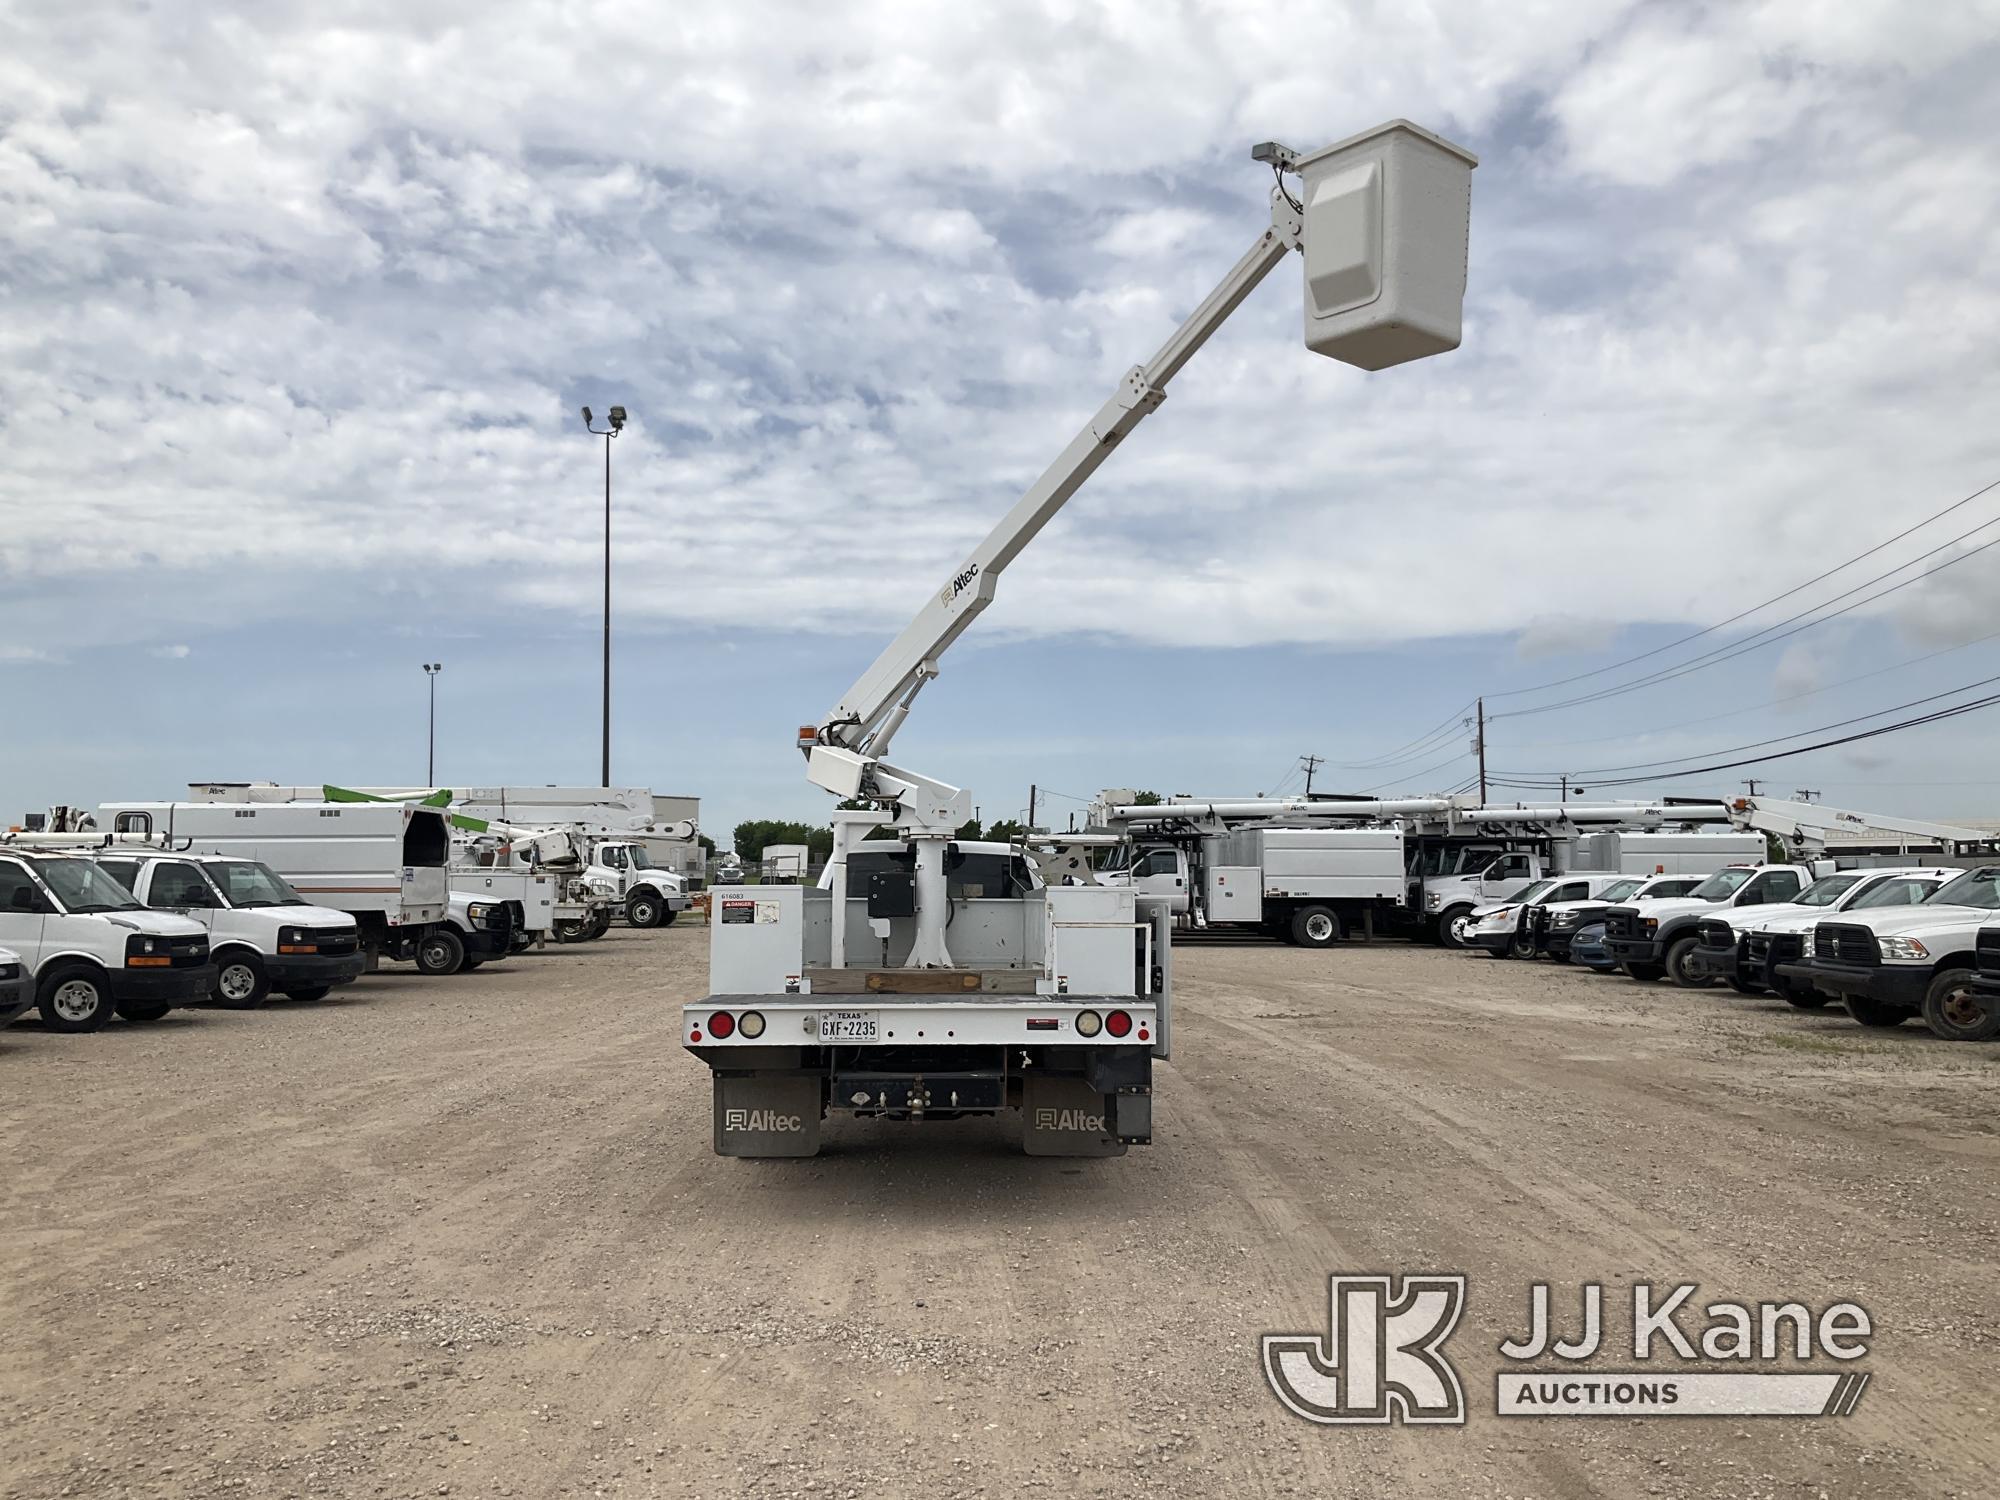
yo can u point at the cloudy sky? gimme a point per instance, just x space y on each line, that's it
301 301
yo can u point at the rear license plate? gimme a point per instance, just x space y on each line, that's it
848 1025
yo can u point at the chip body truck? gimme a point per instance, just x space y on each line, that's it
898 1001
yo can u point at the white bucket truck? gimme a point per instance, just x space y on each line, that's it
382 863
898 1002
88 948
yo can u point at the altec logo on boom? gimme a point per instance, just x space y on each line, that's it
1381 1359
959 584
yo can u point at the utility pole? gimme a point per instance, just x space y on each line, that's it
1752 784
616 417
431 670
1031 807
1805 796
1312 763
1479 744
1565 795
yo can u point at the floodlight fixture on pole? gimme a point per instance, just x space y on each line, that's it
431 670
616 425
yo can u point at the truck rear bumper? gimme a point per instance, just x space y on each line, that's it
867 1021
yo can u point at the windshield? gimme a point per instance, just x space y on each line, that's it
82 887
1905 890
1117 858
1826 892
1720 884
1533 891
641 860
1618 890
251 884
1979 888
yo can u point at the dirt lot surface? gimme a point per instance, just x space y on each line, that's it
466 1237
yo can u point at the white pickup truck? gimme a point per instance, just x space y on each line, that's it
1897 962
1652 938
1743 945
90 948
1510 929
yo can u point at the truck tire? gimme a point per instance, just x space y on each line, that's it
1315 927
440 952
310 992
1957 1012
645 909
598 928
1448 921
143 1010
240 980
1644 972
571 930
668 919
1679 951
1522 944
74 997
1875 1012
1804 999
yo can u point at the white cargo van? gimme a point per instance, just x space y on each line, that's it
384 863
88 946
262 934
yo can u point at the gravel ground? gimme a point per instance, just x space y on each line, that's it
466 1237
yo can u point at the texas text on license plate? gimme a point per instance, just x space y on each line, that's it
847 1025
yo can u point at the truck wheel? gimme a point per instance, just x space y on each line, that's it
440 952
569 931
143 1010
1315 927
240 981
1678 954
645 910
1644 972
667 918
1523 943
598 928
1804 999
1875 1013
310 992
1451 923
1956 1012
74 999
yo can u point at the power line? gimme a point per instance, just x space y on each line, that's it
1776 598
1673 760
1412 776
1758 760
1716 658
1389 757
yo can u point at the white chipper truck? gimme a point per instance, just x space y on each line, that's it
897 1000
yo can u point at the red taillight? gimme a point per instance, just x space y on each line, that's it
721 1025
1118 1023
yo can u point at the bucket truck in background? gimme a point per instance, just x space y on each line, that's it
898 1001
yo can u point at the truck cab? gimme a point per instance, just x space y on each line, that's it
262 934
652 894
1476 876
1890 964
1658 937
1561 921
1743 945
1158 870
90 948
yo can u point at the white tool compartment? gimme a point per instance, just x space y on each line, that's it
1233 893
1093 939
755 939
1387 219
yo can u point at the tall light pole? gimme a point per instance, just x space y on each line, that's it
616 418
431 670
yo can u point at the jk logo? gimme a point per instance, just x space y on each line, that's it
1379 1361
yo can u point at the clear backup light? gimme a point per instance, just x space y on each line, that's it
1088 1023
750 1025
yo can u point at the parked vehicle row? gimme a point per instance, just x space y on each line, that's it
1889 945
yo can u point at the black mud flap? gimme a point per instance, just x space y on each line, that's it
767 1114
1066 1117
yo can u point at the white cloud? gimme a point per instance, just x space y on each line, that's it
170 653
312 310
